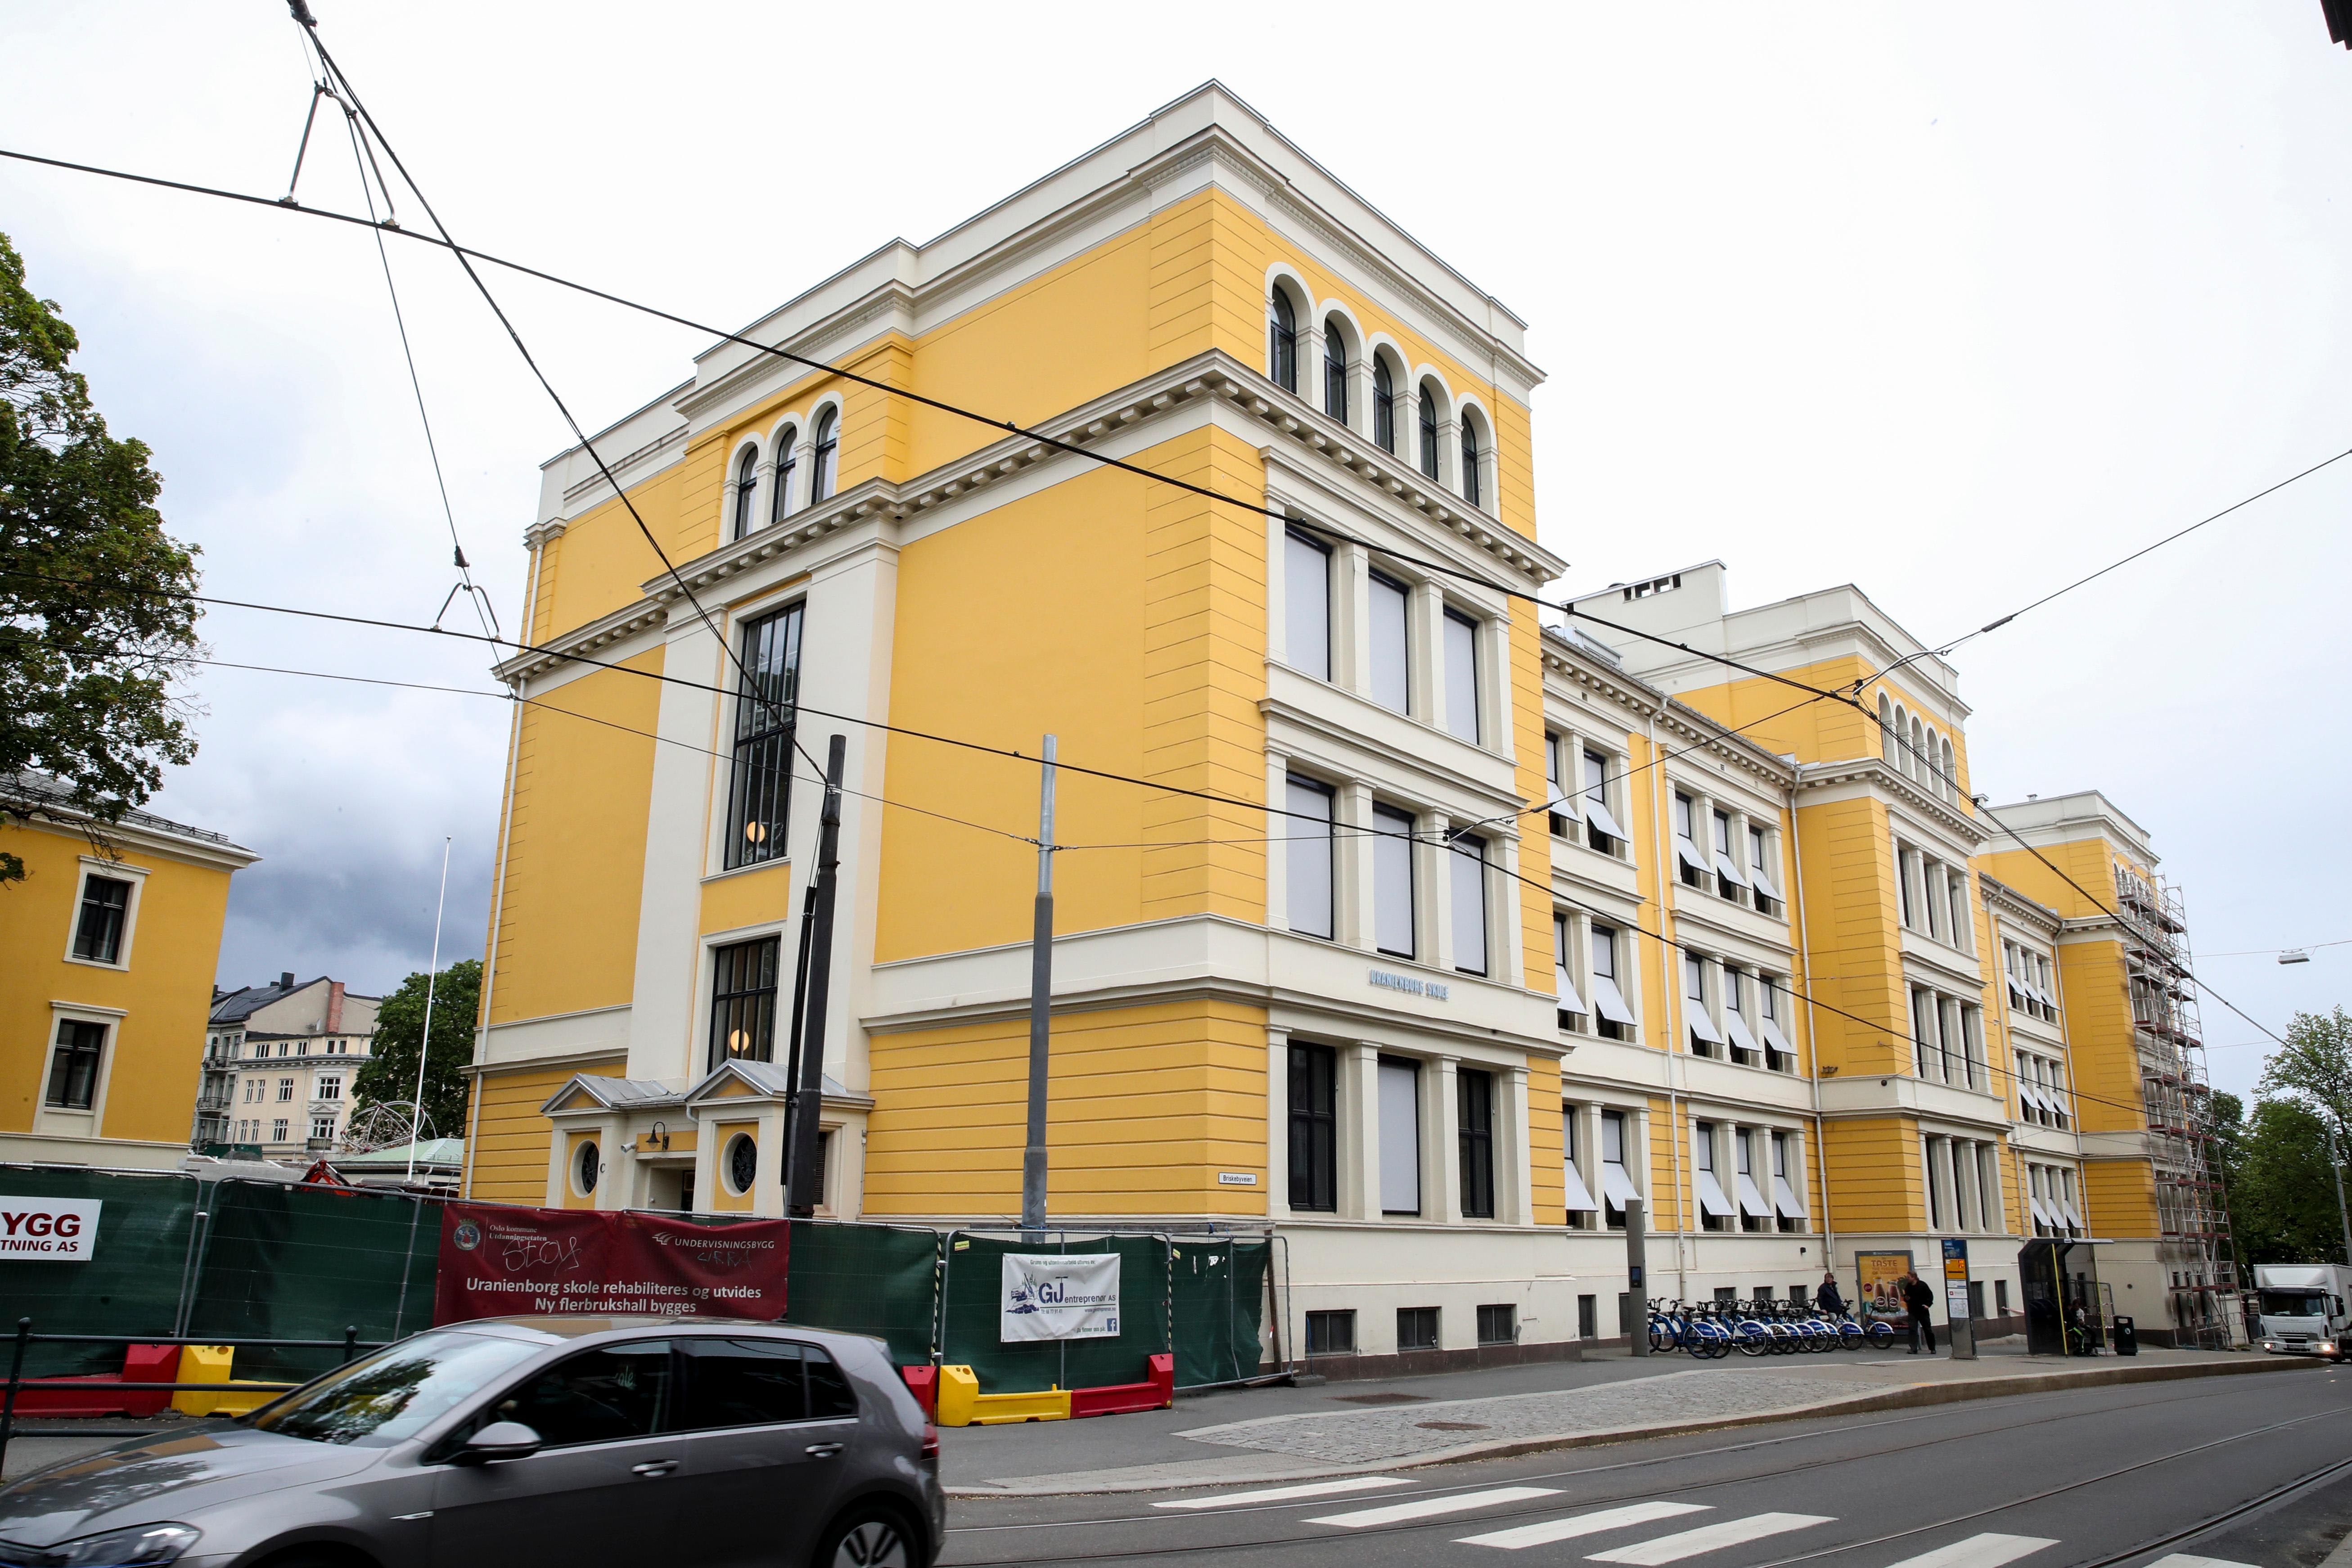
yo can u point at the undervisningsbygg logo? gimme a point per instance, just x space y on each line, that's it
468 1236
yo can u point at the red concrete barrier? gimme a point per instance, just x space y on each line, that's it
1157 1392
923 1382
140 1363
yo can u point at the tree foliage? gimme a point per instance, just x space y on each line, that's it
389 1075
88 644
2283 1189
2313 1068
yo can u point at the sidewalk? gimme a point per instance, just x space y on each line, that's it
1285 1434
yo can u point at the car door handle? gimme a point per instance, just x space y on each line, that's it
824 1450
654 1467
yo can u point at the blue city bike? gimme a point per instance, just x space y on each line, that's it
1682 1328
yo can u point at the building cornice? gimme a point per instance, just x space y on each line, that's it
1878 774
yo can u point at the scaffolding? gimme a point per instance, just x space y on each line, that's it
2192 1214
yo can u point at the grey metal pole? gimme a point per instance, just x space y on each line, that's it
804 1146
1637 1274
1041 1009
2335 1167
425 1041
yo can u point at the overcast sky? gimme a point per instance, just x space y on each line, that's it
1954 303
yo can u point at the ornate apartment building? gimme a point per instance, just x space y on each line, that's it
279 1061
1525 935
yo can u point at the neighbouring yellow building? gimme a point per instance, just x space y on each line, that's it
1526 936
110 944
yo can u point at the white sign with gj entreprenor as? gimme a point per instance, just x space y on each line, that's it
48 1230
1060 1296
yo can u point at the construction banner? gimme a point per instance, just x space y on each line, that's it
498 1262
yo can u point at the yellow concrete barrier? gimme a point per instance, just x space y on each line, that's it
211 1363
958 1389
961 1404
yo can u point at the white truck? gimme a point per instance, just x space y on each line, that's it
2304 1308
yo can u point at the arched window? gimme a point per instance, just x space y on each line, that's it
788 462
821 459
1383 406
747 485
1951 773
1470 462
1282 341
1888 746
1335 370
1919 739
1428 430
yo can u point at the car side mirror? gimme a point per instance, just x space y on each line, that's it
499 1440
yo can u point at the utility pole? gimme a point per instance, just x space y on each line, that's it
1040 1010
1636 1310
804 1147
2336 1168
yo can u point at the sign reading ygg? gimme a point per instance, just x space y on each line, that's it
1059 1295
48 1230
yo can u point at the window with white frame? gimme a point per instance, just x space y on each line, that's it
1556 794
1306 604
1755 1214
1714 1205
825 456
1773 1023
1575 1017
1399 1105
1391 628
1688 856
1335 370
1461 677
1617 1188
1615 1014
1428 430
285 1089
1282 340
1384 425
747 488
1307 865
1745 1048
102 923
1473 460
1601 829
74 1060
1705 1039
277 1126
759 771
1788 1181
323 1129
788 462
1394 915
1763 870
1467 856
1731 877
330 1086
1577 1177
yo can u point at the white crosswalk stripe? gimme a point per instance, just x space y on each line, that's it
1988 1550
1284 1494
1433 1507
1546 1531
1709 1538
2183 1560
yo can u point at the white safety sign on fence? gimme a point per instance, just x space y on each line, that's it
48 1230
1060 1296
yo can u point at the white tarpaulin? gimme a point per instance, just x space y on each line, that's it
1059 1295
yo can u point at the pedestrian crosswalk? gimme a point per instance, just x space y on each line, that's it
1435 1506
1709 1538
1543 1533
1288 1494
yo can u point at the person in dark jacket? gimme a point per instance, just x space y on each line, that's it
1828 1297
1917 1300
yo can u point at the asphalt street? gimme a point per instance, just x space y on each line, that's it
2242 1471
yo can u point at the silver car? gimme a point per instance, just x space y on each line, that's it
525 1443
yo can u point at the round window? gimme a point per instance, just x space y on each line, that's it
743 1162
585 1167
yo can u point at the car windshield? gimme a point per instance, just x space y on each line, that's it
392 1393
2293 1304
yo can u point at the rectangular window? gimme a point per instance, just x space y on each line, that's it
1902 884
73 1069
1755 1214
1760 871
1923 1030
1392 853
1474 1095
1572 1011
1468 859
767 698
1461 676
1703 1036
743 1001
1688 856
1392 641
330 1086
1499 1324
1580 1203
1617 1187
1786 1203
1601 829
285 1089
1306 604
322 1128
278 1129
2001 1298
1730 880
1779 1054
1331 1333
1313 908
1400 1136
1557 792
1588 1317
98 933
1616 1017
1416 1328
1715 1206
1937 1208
1314 1129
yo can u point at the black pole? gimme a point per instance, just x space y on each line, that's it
803 1148
15 1381
793 1035
350 1343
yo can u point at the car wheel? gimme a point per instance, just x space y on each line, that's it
867 1537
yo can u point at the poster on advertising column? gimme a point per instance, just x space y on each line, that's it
1059 1295
500 1262
1879 1276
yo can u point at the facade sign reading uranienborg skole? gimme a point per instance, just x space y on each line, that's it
498 1262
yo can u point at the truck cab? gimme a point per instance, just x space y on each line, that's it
2302 1309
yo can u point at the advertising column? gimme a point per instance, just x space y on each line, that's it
1956 1299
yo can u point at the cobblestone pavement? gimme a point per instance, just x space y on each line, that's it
1405 1432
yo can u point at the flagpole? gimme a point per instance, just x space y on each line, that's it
425 1041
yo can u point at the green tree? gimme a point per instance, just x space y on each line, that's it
2282 1190
89 643
389 1075
2313 1068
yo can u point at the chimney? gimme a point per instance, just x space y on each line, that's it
286 981
334 1006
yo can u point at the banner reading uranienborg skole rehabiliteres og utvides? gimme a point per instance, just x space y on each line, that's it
498 1262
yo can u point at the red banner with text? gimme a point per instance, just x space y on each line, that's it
504 1262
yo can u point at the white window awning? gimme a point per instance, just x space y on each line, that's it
1579 1200
2072 1219
1616 1185
1597 816
1741 1040
1775 1039
1688 854
2041 1211
2030 1095
1765 883
1751 1202
1710 1195
1570 806
1569 1002
1701 1024
1784 1197
1728 869
1612 1002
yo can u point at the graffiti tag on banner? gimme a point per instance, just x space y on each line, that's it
498 1262
1059 1295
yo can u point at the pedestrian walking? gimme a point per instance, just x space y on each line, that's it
1827 1298
1917 1300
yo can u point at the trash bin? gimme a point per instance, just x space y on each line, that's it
2127 1338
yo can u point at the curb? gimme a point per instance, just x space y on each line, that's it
1903 1396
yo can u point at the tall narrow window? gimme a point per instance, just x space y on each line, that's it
1308 862
1715 1206
1572 1011
1935 1202
1785 1200
1383 406
1392 852
743 1002
1400 1136
1753 1212
1282 341
97 933
1691 858
1730 880
1575 1166
1608 1000
1760 871
1474 1098
1335 370
1705 1037
1779 1055
1306 604
1461 676
825 454
1392 640
747 488
1601 829
1428 430
73 1069
1923 1029
1314 1129
1889 745
766 708
1617 1187
1470 478
1469 861
788 462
